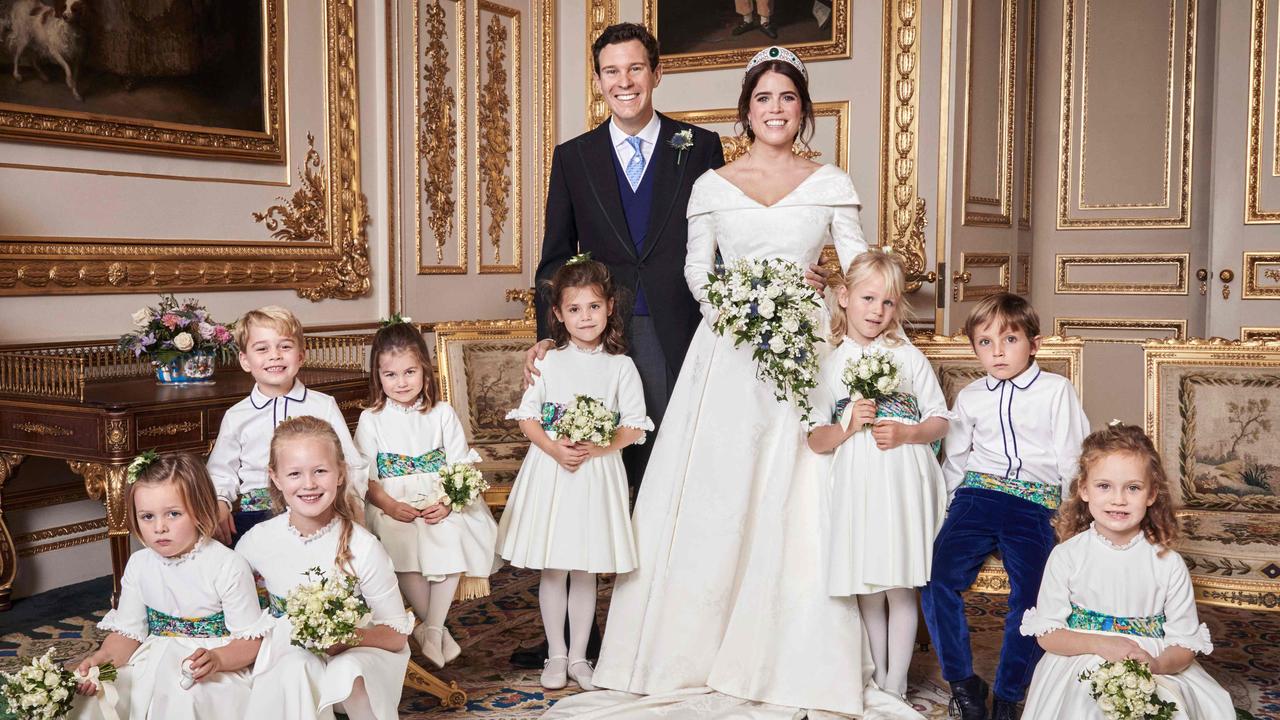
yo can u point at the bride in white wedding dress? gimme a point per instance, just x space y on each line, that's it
727 614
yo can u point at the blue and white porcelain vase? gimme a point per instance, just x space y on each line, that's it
189 369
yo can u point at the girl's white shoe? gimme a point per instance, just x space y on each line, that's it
555 672
450 647
581 672
431 640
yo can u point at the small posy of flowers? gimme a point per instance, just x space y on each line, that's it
43 689
1126 690
586 419
871 376
173 329
325 611
681 142
766 305
461 484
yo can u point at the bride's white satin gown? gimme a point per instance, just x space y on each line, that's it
727 615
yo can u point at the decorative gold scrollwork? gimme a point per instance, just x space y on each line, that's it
436 138
43 429
494 110
169 429
526 296
117 434
902 212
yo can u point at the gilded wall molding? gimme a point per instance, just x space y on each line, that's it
1259 333
1023 284
1070 326
1063 285
902 210
1261 275
1254 212
600 15
1003 199
337 268
499 127
29 548
1068 142
970 261
1029 128
440 122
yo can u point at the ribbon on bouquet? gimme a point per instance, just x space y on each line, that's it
105 692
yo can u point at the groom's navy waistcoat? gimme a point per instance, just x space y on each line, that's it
636 205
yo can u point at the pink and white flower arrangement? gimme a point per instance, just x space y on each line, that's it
171 330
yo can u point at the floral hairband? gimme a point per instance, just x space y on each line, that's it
140 465
777 52
395 319
579 258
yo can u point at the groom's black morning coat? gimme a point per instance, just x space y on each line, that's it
585 214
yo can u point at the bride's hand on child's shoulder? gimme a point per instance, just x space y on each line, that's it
534 354
569 454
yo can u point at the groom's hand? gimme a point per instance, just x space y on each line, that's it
816 277
537 352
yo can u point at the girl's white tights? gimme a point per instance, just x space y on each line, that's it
890 618
430 600
578 600
357 705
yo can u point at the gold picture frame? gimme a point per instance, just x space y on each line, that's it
318 242
1210 405
89 128
956 366
676 57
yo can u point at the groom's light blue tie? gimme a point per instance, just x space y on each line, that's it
635 166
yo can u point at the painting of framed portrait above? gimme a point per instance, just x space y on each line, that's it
716 33
1212 408
187 77
237 222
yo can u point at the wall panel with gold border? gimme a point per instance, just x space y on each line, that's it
241 226
1127 68
1262 174
989 103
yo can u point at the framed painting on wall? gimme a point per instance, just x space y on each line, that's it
186 77
696 36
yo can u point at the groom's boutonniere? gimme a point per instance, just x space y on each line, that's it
680 142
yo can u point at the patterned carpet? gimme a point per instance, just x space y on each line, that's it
1245 660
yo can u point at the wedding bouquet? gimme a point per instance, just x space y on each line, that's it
461 484
1126 690
325 611
766 304
871 376
586 419
43 689
172 330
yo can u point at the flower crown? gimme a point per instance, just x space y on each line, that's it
140 465
395 319
777 52
579 258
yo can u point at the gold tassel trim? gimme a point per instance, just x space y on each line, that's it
472 588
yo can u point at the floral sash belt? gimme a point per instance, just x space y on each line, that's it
1049 496
255 500
169 626
552 412
1086 619
395 464
894 405
275 604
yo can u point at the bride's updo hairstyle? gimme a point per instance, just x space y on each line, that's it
782 67
871 264
579 272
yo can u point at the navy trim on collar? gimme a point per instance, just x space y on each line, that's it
1022 381
255 395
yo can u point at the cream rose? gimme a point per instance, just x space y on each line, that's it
183 341
142 317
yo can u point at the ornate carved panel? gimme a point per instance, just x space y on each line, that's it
1262 178
600 15
1126 67
990 273
991 47
1261 275
1120 330
1029 124
440 119
499 160
901 209
1121 274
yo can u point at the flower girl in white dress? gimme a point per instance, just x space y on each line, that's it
888 497
1113 590
308 477
188 625
568 511
406 437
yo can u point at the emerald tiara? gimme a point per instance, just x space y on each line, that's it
777 52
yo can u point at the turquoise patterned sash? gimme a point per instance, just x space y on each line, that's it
274 605
395 464
169 626
1049 496
255 500
552 412
1086 619
894 405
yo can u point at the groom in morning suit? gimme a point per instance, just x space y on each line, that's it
620 192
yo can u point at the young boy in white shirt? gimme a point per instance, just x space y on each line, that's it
272 350
1009 454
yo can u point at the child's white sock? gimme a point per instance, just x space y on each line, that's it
875 620
417 591
553 601
441 599
582 606
903 621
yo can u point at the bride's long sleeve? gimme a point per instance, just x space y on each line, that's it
846 231
700 259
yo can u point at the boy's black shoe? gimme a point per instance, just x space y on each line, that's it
770 30
1004 710
969 699
743 27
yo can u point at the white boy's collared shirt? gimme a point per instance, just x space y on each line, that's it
1029 427
238 462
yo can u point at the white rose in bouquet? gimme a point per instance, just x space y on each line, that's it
183 341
